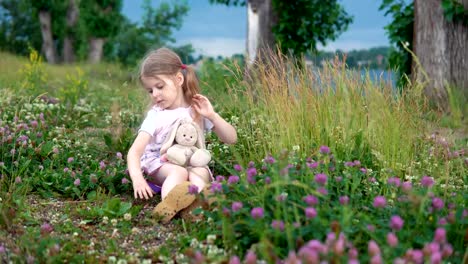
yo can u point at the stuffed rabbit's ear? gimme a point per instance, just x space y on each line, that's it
200 137
170 138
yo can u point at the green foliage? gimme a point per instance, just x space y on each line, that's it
133 41
454 11
19 27
400 32
303 24
101 17
324 200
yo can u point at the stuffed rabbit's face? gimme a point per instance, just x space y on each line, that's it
186 135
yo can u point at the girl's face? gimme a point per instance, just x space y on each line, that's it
165 91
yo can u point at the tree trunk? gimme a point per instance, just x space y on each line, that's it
260 20
48 46
72 19
95 49
440 47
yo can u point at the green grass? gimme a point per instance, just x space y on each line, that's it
64 127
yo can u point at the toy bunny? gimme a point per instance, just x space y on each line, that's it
185 145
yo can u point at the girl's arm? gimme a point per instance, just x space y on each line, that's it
225 131
141 189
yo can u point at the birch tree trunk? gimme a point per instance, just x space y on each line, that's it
48 46
95 49
260 20
441 48
72 20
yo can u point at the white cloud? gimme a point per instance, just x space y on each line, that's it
216 46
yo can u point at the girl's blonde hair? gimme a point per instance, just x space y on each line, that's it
166 62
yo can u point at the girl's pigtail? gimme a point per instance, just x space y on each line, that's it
191 87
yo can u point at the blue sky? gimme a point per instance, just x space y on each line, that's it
215 29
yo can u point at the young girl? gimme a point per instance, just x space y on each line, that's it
174 91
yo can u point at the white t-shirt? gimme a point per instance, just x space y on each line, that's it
158 124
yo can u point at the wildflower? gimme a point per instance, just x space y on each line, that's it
278 225
394 181
114 221
55 150
427 181
250 258
392 239
46 228
65 170
437 203
321 178
70 159
105 220
371 180
309 255
310 200
102 165
431 248
312 165
379 202
363 170
373 248
376 259
216 187
127 217
251 164
349 164
282 197
440 235
93 178
338 179
233 179
236 206
270 160
447 250
417 256
210 239
124 181
257 213
324 149
77 182
118 155
436 258
234 260
406 186
18 179
344 200
193 189
267 180
238 167
396 223
353 253
220 178
226 212
371 228
310 212
251 173
357 163
34 123
322 191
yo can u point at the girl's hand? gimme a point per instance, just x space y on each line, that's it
141 189
203 106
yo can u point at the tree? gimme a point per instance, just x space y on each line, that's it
46 9
294 26
102 19
71 23
441 47
19 27
156 29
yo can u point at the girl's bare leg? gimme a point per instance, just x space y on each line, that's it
170 175
199 176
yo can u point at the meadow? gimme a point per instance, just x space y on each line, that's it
329 167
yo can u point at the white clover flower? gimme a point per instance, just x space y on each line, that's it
296 148
135 230
105 220
210 239
122 261
112 259
114 221
75 234
127 217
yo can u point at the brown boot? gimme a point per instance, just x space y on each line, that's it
204 200
176 200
